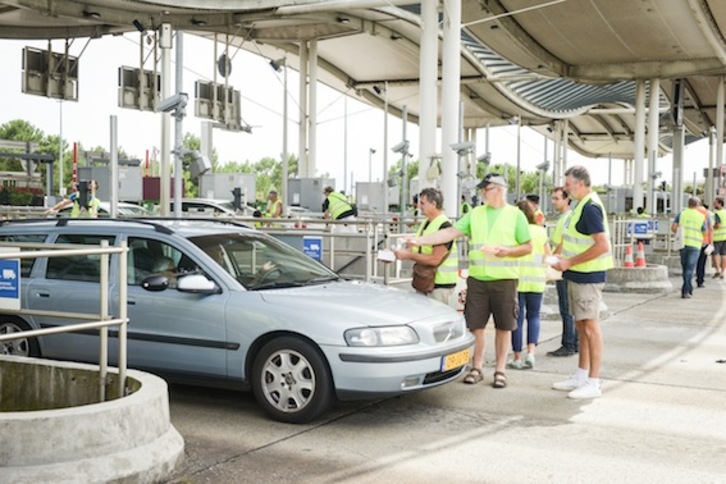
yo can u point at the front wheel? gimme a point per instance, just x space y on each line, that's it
17 347
291 380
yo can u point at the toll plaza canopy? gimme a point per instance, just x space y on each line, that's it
538 60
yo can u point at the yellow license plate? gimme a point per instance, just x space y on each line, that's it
455 360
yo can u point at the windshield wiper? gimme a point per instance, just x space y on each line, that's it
322 279
275 285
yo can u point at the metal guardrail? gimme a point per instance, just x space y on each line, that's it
102 320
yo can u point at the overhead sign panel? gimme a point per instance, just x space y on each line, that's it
138 89
50 74
219 103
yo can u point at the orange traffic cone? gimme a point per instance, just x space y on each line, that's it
628 264
640 256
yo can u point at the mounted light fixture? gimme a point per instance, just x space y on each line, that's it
377 90
343 20
198 22
91 14
139 26
275 65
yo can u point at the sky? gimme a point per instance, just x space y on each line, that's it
88 120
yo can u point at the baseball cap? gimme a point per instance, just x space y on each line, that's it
492 178
532 197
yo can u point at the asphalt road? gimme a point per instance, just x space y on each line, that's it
662 416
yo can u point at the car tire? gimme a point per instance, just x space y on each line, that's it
291 380
17 347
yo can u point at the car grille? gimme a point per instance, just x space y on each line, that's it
439 376
449 331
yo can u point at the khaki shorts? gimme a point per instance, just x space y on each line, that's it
443 294
486 298
584 300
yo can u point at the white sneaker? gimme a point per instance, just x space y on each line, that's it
589 390
574 382
529 362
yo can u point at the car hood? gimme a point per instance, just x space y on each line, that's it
357 302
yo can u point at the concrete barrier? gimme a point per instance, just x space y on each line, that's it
651 279
127 439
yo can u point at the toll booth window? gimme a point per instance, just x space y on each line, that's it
26 265
86 268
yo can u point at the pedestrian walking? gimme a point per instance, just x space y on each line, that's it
692 224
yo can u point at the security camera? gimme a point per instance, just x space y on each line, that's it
463 148
172 103
485 158
400 147
544 166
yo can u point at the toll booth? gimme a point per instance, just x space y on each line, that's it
220 186
130 185
308 192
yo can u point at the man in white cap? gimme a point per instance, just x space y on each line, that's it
498 234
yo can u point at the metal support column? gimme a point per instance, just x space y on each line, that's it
450 100
165 169
639 144
652 143
428 64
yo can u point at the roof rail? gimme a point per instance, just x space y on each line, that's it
62 222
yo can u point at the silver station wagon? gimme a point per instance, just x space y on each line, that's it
215 303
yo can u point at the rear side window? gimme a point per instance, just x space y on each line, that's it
78 267
26 265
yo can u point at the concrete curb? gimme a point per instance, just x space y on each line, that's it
130 439
651 279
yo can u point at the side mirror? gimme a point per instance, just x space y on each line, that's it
196 283
155 283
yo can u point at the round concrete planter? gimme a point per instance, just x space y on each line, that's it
651 279
128 439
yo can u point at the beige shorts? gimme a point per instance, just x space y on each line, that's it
584 300
443 294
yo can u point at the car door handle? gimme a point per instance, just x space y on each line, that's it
43 294
129 302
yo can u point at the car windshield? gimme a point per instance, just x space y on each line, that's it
263 262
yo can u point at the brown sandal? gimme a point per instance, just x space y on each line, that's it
500 380
474 376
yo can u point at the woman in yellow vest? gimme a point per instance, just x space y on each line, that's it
530 290
693 225
274 208
443 256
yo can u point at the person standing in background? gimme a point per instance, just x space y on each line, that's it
530 290
707 241
719 238
570 344
693 225
539 216
89 209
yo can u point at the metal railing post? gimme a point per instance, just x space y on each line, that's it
123 315
103 312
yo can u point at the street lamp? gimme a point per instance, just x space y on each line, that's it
371 152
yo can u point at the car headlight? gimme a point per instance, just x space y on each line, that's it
384 336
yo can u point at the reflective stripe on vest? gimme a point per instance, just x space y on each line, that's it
559 228
691 222
337 205
448 271
532 269
575 243
719 234
481 265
